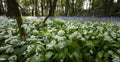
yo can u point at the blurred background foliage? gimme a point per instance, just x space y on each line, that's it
66 7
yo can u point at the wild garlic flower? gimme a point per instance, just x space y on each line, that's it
100 28
3 18
107 37
93 37
70 27
52 30
21 43
9 32
118 39
61 60
83 39
12 58
24 26
38 49
51 44
118 50
29 48
13 41
4 48
116 59
61 32
35 31
110 52
27 60
91 31
59 38
61 45
75 34
9 50
113 34
118 31
32 37
85 32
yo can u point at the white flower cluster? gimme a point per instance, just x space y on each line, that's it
51 44
58 34
75 34
61 32
29 48
8 49
116 59
61 45
35 31
12 58
107 37
70 27
59 38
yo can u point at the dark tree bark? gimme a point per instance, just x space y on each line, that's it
14 12
36 7
1 8
66 7
52 7
72 7
51 11
107 4
33 7
42 7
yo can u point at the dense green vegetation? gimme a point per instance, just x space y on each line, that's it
52 39
60 41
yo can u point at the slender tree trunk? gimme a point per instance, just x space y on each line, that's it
62 6
33 7
13 11
42 7
36 7
72 7
52 7
51 11
66 7
0 7
105 7
92 4
108 4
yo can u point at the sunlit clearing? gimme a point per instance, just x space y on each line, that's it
115 1
86 4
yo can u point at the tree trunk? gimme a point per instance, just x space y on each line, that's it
52 7
13 11
1 8
107 4
66 7
42 7
36 7
33 7
73 11
51 11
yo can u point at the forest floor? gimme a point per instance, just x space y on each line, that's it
78 18
68 40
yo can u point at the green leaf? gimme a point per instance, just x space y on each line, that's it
48 55
35 58
19 51
3 57
100 54
76 55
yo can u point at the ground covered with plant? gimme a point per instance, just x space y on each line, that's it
60 41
